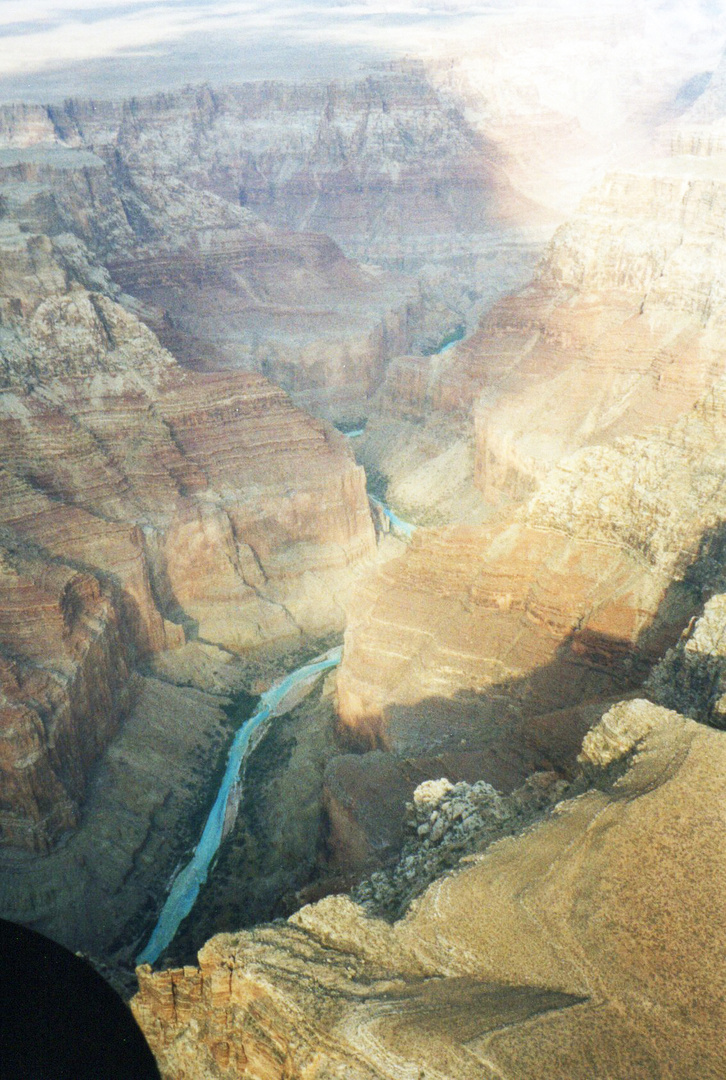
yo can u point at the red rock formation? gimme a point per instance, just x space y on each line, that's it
65 688
174 503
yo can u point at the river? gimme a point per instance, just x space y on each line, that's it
397 524
279 699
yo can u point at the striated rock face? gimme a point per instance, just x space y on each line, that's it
99 888
566 602
551 954
140 505
65 687
218 286
621 328
623 323
209 209
384 164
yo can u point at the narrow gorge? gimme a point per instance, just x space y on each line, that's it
363 557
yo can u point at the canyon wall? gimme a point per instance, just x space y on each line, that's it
218 286
624 324
496 643
142 505
149 509
381 164
220 212
620 328
598 396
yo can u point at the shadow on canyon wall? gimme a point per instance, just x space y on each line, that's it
535 723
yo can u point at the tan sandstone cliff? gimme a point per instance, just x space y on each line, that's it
496 643
579 581
588 946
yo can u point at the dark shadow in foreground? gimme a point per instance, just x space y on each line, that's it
60 1019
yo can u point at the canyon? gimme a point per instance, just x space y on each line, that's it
232 220
589 536
572 633
541 957
156 524
489 844
623 320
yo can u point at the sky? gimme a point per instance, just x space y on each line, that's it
52 49
56 47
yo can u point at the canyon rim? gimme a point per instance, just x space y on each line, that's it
363 531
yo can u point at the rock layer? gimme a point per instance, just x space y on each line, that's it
209 208
568 601
141 504
621 328
65 688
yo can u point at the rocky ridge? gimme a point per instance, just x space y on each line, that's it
445 822
218 286
583 587
544 953
623 322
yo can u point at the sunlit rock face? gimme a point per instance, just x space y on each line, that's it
141 505
621 328
576 949
567 601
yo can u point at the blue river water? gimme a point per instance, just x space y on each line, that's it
453 339
449 346
397 523
187 883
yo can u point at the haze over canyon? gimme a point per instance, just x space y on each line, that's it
362 530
